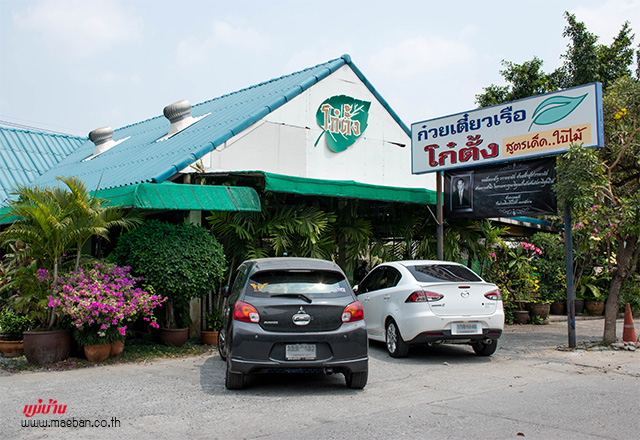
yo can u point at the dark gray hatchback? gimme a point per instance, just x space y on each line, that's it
293 315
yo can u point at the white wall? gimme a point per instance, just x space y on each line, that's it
283 142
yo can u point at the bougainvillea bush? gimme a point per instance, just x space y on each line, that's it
100 300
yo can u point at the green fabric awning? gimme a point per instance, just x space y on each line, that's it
181 197
348 189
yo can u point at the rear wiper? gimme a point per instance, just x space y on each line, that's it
295 295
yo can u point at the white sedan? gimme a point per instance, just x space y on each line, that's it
424 302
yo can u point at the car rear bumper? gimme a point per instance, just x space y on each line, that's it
253 349
445 335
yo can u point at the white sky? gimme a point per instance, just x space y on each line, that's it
76 65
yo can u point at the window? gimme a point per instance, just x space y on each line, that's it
437 273
307 282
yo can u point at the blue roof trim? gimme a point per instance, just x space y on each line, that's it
378 96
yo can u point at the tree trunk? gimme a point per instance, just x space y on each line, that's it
611 308
627 260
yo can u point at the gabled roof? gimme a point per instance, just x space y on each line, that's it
25 155
140 158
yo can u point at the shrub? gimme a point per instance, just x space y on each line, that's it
181 262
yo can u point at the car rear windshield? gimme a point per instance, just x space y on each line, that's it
312 283
437 273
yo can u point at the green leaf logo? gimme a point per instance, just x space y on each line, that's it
343 120
554 109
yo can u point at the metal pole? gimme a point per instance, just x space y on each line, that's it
568 247
439 216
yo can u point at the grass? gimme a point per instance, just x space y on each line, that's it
134 352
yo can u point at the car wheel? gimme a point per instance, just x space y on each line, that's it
356 380
395 344
221 344
233 381
484 349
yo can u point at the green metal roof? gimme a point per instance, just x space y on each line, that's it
171 196
347 189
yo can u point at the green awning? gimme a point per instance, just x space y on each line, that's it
180 197
175 197
348 189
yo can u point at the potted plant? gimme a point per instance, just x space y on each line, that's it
51 223
100 299
540 308
181 261
590 290
213 323
12 327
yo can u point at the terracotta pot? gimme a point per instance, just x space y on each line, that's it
594 307
558 308
46 347
175 337
11 349
116 349
97 353
540 309
521 316
209 337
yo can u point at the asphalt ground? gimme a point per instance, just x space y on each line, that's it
532 387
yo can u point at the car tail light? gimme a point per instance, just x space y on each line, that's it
245 312
423 296
494 295
353 312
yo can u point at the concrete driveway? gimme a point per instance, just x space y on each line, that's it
529 387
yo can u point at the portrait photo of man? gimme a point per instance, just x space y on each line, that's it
461 197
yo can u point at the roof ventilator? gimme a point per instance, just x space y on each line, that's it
179 114
103 140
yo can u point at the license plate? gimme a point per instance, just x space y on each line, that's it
466 328
300 352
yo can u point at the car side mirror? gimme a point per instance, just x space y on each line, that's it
355 289
225 291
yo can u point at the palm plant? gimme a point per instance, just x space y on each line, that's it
88 216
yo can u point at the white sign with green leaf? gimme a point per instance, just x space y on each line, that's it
538 126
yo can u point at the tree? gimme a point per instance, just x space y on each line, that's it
604 188
602 185
585 61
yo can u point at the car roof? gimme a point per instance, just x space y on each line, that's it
418 262
285 263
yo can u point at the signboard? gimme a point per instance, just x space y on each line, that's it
537 126
343 120
512 189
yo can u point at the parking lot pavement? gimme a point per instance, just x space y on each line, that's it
529 387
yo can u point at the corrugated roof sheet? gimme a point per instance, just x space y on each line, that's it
25 155
140 158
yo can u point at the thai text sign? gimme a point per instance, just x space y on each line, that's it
540 125
519 188
343 120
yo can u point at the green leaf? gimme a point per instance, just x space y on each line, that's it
554 109
343 120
